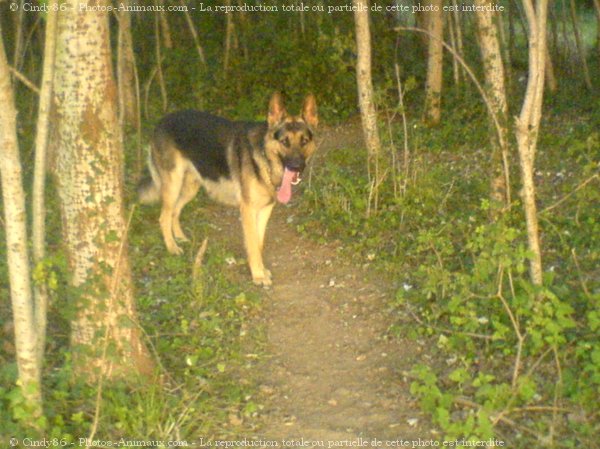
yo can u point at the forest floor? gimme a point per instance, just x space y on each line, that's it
329 374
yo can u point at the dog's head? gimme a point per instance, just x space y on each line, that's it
291 139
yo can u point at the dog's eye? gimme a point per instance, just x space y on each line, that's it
285 142
304 140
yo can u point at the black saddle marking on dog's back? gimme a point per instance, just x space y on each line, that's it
203 138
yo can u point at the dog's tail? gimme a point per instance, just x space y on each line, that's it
149 187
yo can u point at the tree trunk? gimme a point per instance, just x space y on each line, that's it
455 65
504 49
551 82
554 50
566 41
302 22
456 20
433 87
19 36
90 185
126 71
38 232
528 125
194 33
580 46
159 71
228 39
16 245
511 33
165 29
243 25
597 9
365 94
494 77
422 22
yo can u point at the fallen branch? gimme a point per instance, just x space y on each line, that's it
568 195
499 418
450 331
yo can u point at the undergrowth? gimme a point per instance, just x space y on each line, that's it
513 361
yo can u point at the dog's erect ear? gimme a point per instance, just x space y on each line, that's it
277 110
309 111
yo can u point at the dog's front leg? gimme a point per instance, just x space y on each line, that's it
252 240
261 223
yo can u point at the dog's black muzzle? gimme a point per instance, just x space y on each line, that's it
296 164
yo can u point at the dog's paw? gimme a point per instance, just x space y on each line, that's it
175 249
264 280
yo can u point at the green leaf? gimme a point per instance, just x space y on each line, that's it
459 375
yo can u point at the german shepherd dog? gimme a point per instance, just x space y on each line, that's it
244 164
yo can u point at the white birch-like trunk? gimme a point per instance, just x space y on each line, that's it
90 184
455 65
128 101
528 125
489 45
15 223
435 54
38 231
365 92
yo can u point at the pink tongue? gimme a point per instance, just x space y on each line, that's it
284 194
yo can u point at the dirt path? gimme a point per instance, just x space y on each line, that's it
332 374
